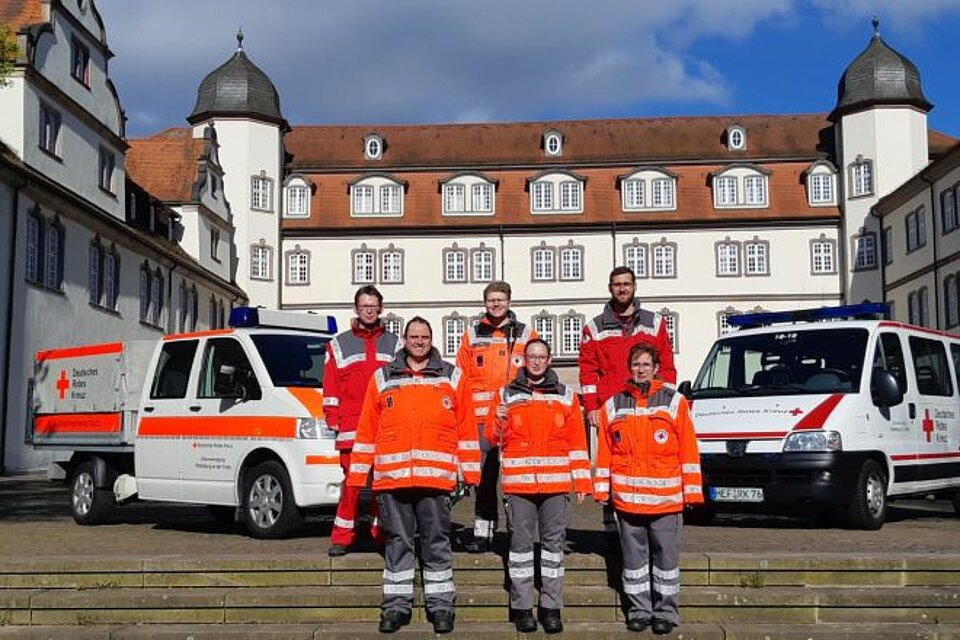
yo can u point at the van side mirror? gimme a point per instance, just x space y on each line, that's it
884 390
686 389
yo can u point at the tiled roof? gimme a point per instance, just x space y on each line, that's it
17 14
166 164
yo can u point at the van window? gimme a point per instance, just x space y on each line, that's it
173 370
292 360
955 353
888 357
221 352
930 367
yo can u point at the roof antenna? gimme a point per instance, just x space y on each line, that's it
876 25
240 39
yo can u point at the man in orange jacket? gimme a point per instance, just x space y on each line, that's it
539 429
490 353
415 432
648 465
352 358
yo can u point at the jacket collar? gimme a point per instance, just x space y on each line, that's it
362 332
642 390
398 367
485 327
549 384
611 318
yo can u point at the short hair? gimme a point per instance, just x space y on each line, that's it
498 286
367 290
537 341
643 347
619 271
417 320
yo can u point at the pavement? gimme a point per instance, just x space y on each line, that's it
35 522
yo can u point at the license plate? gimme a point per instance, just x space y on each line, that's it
736 494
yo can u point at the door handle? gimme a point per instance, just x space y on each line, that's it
195 408
148 409
912 410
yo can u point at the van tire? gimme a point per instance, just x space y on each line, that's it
868 506
956 503
88 504
269 510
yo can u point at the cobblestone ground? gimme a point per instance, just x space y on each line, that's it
35 521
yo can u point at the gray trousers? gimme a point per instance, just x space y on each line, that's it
485 507
403 515
525 513
651 565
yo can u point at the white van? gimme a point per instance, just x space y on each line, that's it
826 410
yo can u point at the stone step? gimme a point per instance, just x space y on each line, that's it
482 631
800 605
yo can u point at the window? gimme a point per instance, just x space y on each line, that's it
671 320
950 301
392 324
663 193
34 248
821 188
664 263
728 258
542 196
377 195
861 178
173 370
454 198
725 191
221 354
156 298
111 279
483 197
53 256
261 257
464 195
261 192
823 256
930 366
79 61
916 229
390 199
545 325
570 196
634 194
571 263
373 147
571 331
889 357
298 266
108 162
49 130
298 201
755 190
948 206
453 330
756 255
145 282
865 250
362 199
182 306
887 246
391 266
95 272
194 307
543 258
482 264
553 144
454 264
723 321
215 243
635 258
212 313
364 265
918 307
736 138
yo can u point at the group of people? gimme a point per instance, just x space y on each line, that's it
501 419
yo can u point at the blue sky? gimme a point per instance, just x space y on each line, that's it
411 61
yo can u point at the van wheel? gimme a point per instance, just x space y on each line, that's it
868 507
269 510
88 504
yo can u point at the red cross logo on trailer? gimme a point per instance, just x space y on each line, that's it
927 425
63 383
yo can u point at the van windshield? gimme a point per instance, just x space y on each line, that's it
784 363
292 360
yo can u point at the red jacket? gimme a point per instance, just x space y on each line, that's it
605 346
648 460
352 358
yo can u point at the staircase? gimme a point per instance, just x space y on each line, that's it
725 596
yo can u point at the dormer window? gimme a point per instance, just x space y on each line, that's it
553 143
741 186
821 184
648 189
373 147
468 194
556 192
736 138
297 193
377 195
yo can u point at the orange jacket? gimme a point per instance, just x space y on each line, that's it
415 429
647 451
543 441
489 358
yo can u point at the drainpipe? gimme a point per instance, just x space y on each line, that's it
884 251
936 269
8 337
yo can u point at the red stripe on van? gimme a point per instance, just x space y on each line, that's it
222 427
744 435
819 414
77 423
107 349
925 456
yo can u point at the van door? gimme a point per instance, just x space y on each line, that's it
157 450
891 429
935 411
224 422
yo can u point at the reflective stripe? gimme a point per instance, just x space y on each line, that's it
342 523
520 572
358 467
551 572
536 461
580 474
469 445
433 472
363 447
483 396
553 477
439 587
550 556
482 528
470 466
601 487
636 574
481 411
602 472
393 474
636 589
385 357
330 401
398 589
392 458
346 362
415 454
646 498
522 478
693 489
588 388
521 557
437 576
665 574
666 589
691 468
641 481
579 454
398 576
346 436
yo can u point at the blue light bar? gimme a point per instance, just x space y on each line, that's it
250 317
244 317
865 311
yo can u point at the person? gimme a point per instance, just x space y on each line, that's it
648 466
352 358
416 433
490 353
604 345
538 426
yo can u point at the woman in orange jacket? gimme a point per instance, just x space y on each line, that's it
539 428
648 463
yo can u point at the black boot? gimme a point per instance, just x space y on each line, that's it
524 620
661 627
393 619
443 621
550 619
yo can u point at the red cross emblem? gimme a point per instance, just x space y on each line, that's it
796 412
927 425
63 383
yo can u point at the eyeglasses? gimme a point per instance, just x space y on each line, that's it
537 358
497 300
643 365
372 307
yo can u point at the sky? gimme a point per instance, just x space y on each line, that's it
439 61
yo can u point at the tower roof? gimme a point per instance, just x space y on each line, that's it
238 87
879 76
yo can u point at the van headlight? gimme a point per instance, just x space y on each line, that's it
314 429
812 442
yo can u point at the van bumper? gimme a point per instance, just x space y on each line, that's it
788 480
318 478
